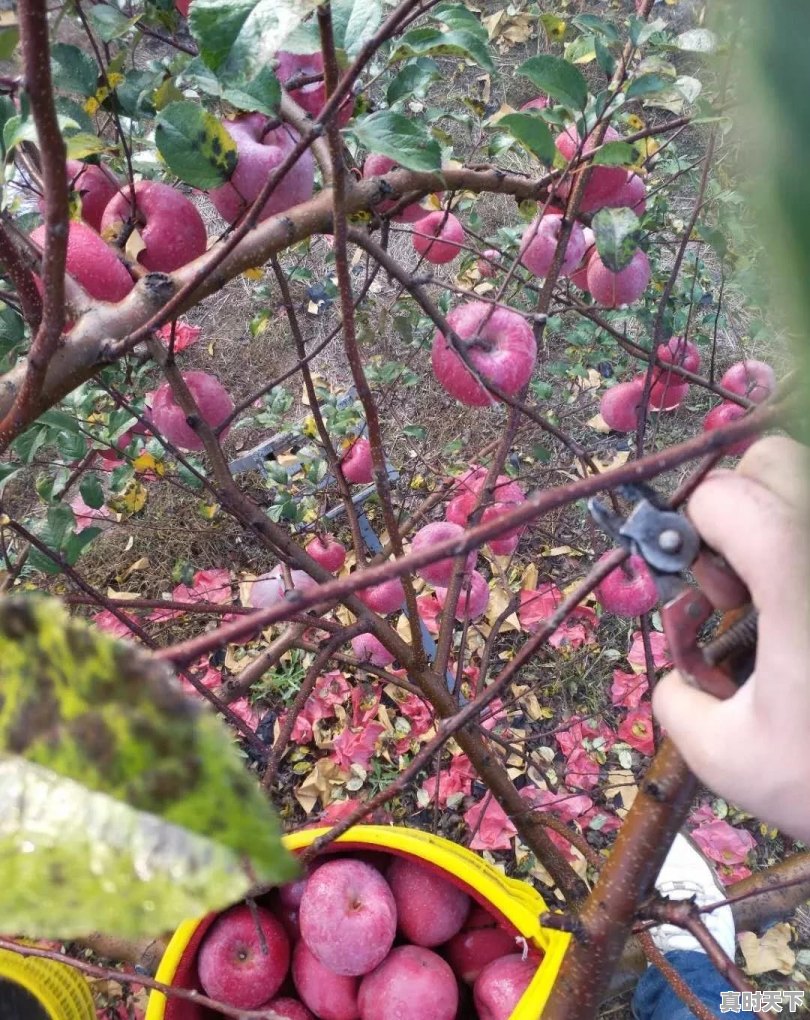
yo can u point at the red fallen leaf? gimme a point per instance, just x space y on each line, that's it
723 843
600 820
87 516
537 605
109 623
340 809
701 814
565 805
184 335
356 746
660 652
493 829
207 586
365 702
457 779
302 728
246 712
563 845
636 729
493 716
210 678
331 689
420 717
581 771
628 689
430 610
582 730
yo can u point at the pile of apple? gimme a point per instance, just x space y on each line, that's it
369 936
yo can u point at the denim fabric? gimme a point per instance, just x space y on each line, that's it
654 998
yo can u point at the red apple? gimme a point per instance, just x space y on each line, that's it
479 918
632 194
500 345
470 951
668 392
260 150
470 487
430 909
383 598
288 1009
233 964
725 414
488 263
432 534
623 288
377 165
212 398
311 97
170 226
678 351
95 185
357 463
753 379
603 180
506 543
368 648
437 237
540 240
629 590
474 597
619 405
92 263
348 917
270 589
183 6
330 996
328 552
411 983
500 986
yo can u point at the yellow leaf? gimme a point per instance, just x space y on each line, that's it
134 246
144 462
256 273
91 105
623 783
530 577
404 628
599 424
554 27
208 511
771 952
635 123
418 482
131 500
499 599
141 564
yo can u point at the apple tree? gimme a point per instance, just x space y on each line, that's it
369 298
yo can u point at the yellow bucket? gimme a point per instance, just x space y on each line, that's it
515 903
53 989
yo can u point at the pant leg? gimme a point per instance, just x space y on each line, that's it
655 999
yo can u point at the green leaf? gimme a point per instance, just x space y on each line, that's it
9 37
605 59
92 492
400 138
647 84
82 145
106 867
195 146
593 23
459 17
244 35
110 717
76 544
354 23
617 233
414 79
109 22
532 132
555 76
262 93
22 129
421 42
73 70
615 154
7 472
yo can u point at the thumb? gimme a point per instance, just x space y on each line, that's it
695 721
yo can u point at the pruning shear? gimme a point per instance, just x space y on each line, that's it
669 544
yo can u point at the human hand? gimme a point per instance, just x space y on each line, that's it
754 748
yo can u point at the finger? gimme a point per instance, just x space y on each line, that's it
781 465
757 533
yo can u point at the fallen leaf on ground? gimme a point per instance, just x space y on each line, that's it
771 952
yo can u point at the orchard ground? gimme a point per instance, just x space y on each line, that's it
588 730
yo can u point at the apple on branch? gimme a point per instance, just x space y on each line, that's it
499 343
261 148
171 228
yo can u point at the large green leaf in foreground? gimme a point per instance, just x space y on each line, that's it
109 717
